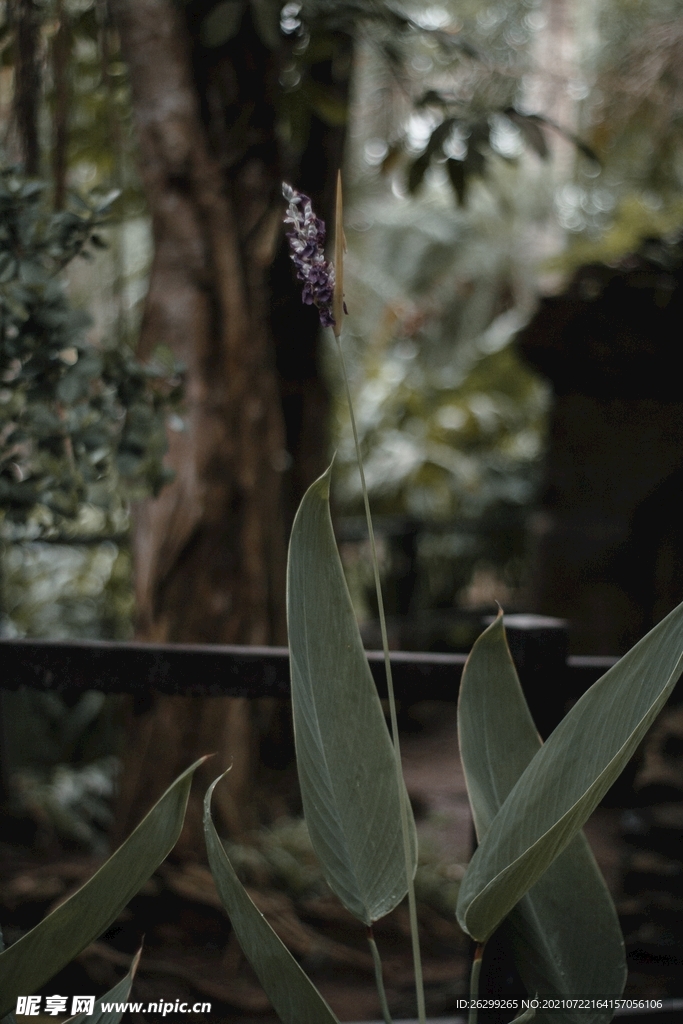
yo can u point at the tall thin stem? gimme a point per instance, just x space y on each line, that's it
412 906
474 982
379 978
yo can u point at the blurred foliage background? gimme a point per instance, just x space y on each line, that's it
491 149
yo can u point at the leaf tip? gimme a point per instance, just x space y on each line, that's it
136 959
209 793
324 482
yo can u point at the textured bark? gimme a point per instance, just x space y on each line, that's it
210 550
61 47
24 16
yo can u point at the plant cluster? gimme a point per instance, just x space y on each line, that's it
451 421
532 873
79 422
476 64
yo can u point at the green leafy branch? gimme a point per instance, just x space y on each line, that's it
77 420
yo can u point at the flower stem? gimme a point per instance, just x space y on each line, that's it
474 981
379 979
412 906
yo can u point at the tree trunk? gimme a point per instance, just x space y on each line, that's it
61 47
24 16
210 550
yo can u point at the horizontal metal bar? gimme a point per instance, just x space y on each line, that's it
213 670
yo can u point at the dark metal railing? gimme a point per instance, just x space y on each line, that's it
550 678
215 670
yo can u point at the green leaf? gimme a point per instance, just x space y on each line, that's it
295 998
51 945
325 102
440 136
102 204
456 176
531 131
525 1017
222 23
72 386
568 777
417 171
564 932
345 757
80 201
266 17
32 189
474 164
9 1018
9 269
118 994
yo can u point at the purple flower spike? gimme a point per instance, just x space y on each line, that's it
307 244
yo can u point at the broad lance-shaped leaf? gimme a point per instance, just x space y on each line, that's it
564 932
9 1018
51 945
295 998
118 995
568 777
344 753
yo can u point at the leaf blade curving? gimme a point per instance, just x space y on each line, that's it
118 994
568 776
344 753
564 933
294 997
40 954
